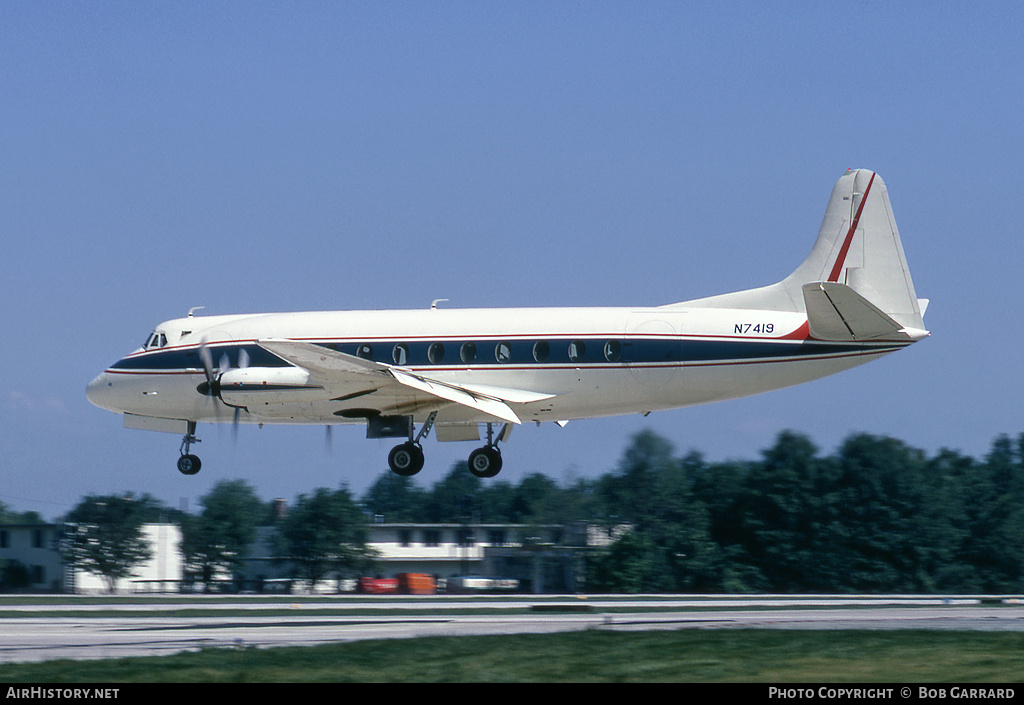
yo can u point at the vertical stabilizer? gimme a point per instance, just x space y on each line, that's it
858 246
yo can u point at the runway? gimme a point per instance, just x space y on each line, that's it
86 630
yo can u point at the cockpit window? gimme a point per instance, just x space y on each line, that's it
155 340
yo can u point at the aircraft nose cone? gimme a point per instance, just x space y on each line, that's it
99 390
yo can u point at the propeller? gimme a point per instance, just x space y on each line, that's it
211 387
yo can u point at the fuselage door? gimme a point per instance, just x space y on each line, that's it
652 346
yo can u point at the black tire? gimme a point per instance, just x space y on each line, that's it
406 459
189 464
485 462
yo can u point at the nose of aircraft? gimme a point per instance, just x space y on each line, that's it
99 391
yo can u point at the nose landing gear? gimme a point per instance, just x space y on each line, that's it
189 464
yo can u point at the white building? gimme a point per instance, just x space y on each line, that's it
161 573
31 559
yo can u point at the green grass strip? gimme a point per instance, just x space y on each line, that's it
688 655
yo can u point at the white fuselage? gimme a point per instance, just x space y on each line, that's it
585 362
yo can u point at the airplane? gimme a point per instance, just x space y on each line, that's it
404 373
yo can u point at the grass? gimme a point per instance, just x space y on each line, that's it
749 655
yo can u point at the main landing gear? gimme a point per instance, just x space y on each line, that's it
486 461
189 464
406 459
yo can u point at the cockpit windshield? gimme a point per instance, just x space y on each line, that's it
156 339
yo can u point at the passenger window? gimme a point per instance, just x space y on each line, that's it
503 352
577 350
365 351
541 351
613 351
400 354
436 353
468 352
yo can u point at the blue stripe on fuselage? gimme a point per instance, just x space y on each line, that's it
593 352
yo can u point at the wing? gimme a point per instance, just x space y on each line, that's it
333 367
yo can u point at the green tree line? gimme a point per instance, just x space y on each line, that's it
874 516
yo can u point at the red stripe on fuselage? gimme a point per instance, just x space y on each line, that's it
841 259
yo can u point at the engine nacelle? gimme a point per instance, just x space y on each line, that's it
252 387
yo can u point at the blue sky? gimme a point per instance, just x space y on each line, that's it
344 155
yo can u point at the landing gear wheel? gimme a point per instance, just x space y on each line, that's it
406 459
189 464
485 462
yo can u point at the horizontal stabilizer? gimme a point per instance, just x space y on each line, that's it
837 312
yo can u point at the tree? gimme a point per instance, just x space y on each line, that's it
105 536
669 546
326 532
627 493
396 498
535 500
456 497
9 516
218 538
782 514
901 523
626 566
994 508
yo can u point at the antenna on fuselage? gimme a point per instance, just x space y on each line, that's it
193 310
435 302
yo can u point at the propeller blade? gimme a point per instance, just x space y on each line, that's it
243 358
207 360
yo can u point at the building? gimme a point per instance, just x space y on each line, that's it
31 560
540 558
545 558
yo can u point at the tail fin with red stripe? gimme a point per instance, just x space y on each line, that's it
858 246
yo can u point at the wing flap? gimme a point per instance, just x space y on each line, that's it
334 366
459 395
